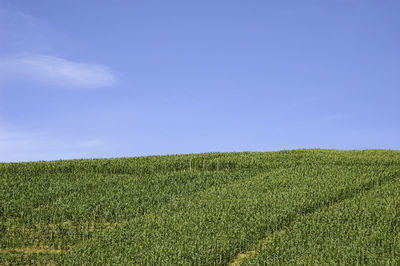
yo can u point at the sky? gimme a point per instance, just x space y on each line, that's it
102 79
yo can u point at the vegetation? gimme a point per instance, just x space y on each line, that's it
286 207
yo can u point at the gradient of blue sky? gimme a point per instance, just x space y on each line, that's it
83 79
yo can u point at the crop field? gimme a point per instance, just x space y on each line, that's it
251 208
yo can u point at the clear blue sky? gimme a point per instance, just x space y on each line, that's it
90 79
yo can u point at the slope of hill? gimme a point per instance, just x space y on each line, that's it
286 207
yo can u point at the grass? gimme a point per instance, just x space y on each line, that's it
286 207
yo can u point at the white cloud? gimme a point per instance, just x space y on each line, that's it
55 71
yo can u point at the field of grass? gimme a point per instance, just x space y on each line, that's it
287 207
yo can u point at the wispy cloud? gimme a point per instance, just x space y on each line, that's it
17 145
56 71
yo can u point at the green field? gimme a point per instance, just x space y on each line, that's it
287 207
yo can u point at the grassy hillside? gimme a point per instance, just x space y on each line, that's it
287 207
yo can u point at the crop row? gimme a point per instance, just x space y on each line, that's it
215 224
364 230
190 209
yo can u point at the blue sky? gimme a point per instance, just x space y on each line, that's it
90 79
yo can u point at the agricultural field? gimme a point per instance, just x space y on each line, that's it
251 208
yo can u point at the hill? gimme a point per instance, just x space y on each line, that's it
286 207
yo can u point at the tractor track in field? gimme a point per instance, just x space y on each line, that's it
90 227
31 250
348 194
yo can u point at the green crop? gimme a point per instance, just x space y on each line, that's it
287 207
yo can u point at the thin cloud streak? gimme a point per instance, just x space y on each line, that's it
56 71
20 146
